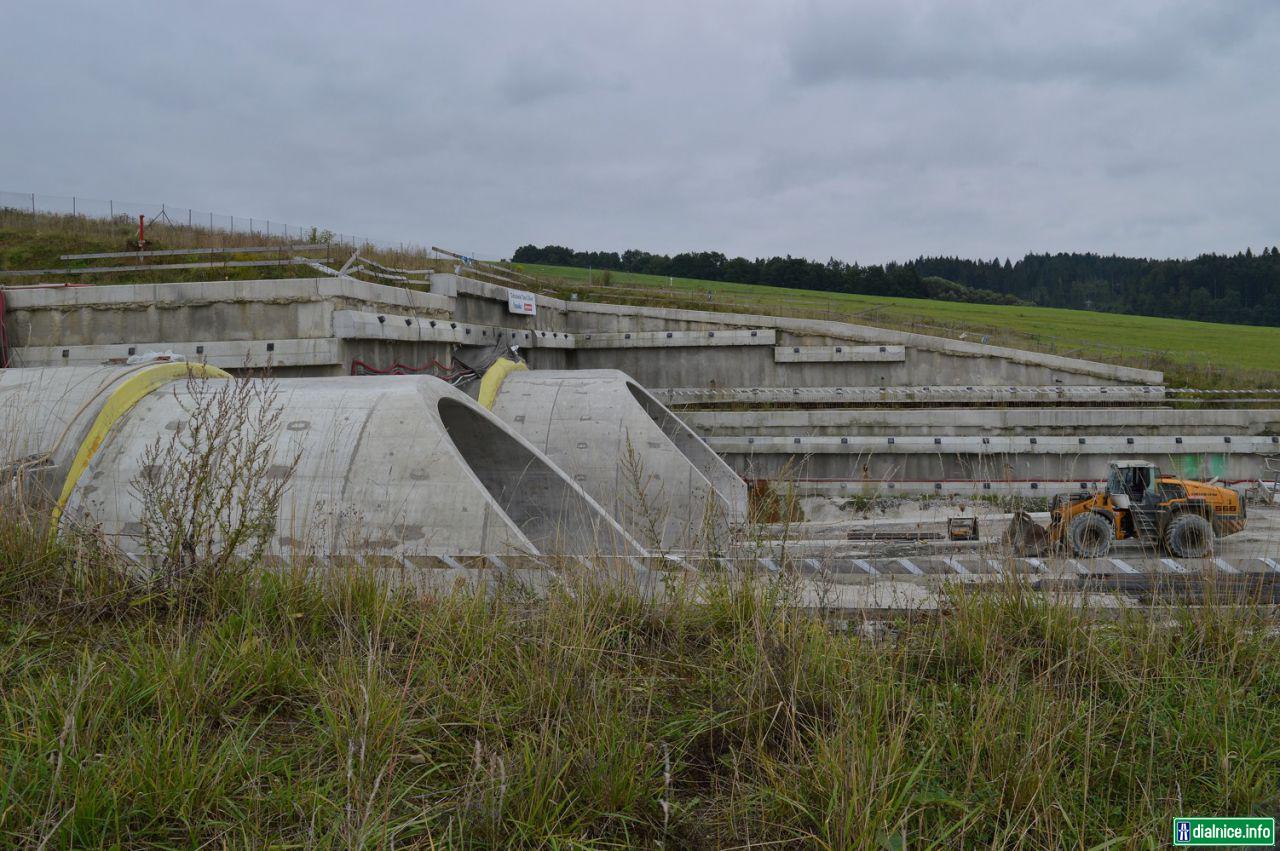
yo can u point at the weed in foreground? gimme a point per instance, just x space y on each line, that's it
324 709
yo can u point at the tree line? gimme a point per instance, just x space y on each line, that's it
890 279
1241 288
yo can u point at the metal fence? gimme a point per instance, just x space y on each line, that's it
161 213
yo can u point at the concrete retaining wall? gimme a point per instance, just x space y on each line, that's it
950 464
321 325
892 422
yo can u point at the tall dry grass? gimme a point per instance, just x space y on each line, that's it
287 708
38 241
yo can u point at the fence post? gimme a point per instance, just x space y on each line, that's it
188 217
111 208
33 207
73 205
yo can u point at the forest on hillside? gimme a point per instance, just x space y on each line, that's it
1241 288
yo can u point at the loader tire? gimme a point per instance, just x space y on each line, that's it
1089 535
1189 536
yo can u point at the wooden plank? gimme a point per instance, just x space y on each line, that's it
475 270
178 252
317 265
376 265
365 270
485 264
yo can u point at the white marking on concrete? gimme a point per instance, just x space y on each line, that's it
450 561
910 566
1173 566
996 567
1224 566
1037 564
1123 565
1270 563
956 565
1080 568
866 565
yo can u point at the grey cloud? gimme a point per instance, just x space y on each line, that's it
529 79
1012 41
1139 127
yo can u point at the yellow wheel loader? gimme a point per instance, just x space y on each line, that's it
1183 517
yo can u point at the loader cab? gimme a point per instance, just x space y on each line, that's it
1129 482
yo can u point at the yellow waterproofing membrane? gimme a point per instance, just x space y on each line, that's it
493 378
119 403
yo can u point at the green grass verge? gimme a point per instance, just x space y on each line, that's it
276 711
1205 352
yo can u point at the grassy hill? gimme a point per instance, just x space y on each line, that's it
28 242
1200 354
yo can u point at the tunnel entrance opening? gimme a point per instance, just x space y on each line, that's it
543 504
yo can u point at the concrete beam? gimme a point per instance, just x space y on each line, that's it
968 488
839 354
953 472
364 325
1053 394
275 290
227 354
674 339
1022 445
983 421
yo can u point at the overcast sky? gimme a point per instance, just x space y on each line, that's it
867 131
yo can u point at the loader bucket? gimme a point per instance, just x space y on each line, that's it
1025 537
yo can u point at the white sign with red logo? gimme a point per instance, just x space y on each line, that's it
522 303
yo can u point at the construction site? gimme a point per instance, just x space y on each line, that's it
455 421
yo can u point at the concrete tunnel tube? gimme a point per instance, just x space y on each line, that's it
594 424
385 467
53 420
